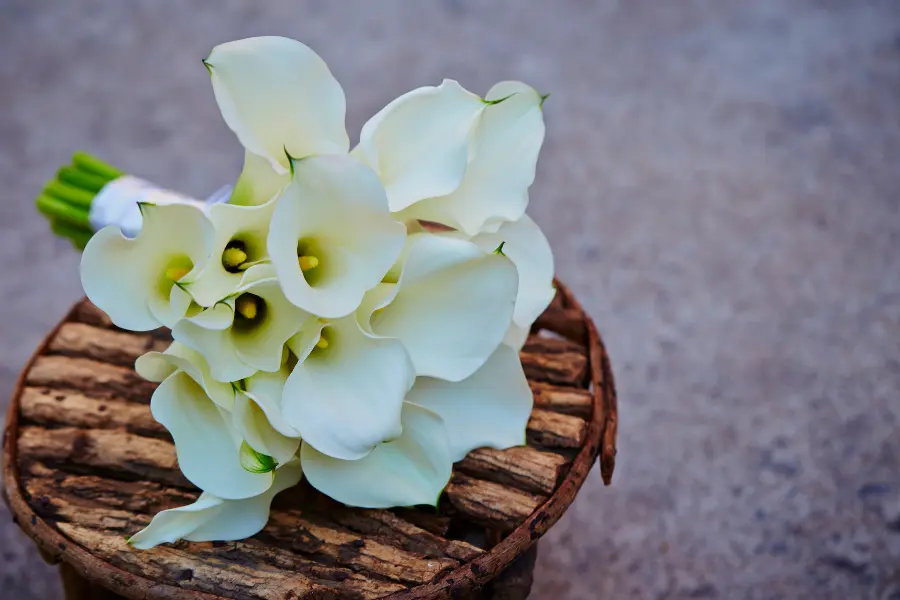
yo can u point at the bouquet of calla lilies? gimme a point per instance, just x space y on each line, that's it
348 316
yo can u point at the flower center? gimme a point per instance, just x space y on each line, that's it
234 256
326 340
307 262
178 268
309 258
250 311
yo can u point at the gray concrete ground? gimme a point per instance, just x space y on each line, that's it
719 182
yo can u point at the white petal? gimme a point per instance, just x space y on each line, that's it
304 341
217 348
213 519
278 97
489 409
218 316
453 306
503 156
204 440
247 226
375 300
346 398
412 469
118 280
266 389
418 143
258 183
253 425
336 209
126 278
525 245
157 366
169 311
516 336
261 346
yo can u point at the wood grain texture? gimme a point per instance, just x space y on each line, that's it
489 503
569 400
117 347
90 377
85 465
554 360
526 468
554 430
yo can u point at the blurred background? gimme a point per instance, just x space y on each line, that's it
720 185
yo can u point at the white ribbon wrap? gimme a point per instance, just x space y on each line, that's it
117 203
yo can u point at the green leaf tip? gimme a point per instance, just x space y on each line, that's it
142 206
291 160
499 249
256 462
498 101
543 98
208 66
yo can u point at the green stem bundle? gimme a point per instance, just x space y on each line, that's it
66 199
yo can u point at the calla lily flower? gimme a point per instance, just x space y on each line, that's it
411 469
280 99
263 320
157 366
451 306
490 408
211 518
238 244
345 394
502 157
418 144
527 247
134 280
332 237
206 441
255 407
257 416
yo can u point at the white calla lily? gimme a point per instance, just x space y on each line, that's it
263 321
345 394
206 442
252 423
451 307
502 158
332 237
409 470
418 144
516 336
157 366
527 247
213 519
258 181
239 243
279 98
267 391
490 408
133 280
258 416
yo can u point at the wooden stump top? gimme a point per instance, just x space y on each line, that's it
85 466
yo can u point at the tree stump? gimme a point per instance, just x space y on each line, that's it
85 466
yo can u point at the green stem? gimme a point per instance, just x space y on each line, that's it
81 179
70 195
79 237
57 209
95 166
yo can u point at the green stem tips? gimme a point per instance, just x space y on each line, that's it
66 199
